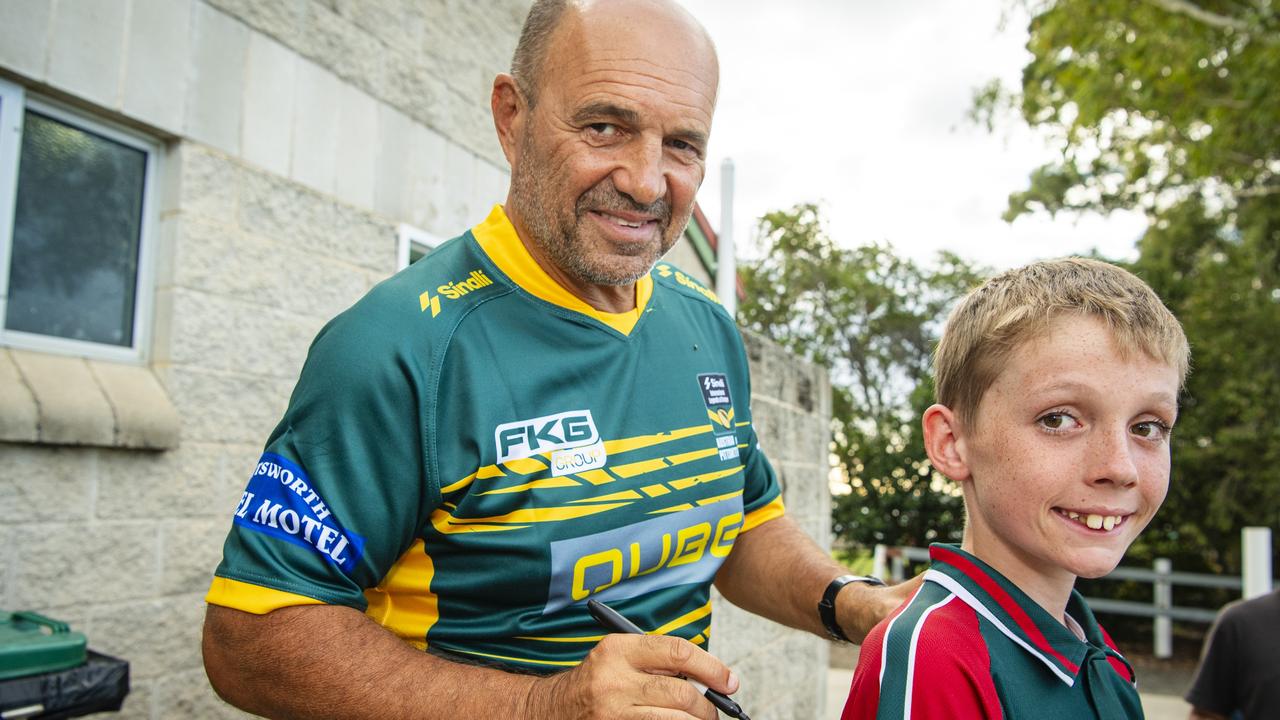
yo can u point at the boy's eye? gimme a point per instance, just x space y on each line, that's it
1057 421
1151 430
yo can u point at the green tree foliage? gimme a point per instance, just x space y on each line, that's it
1172 108
872 318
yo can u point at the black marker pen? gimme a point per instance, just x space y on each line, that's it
613 621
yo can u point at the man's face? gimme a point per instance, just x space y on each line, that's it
1068 455
609 159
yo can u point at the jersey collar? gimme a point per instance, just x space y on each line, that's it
1014 613
498 238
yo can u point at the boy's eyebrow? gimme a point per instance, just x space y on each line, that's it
1159 396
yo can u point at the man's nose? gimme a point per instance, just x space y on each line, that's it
641 173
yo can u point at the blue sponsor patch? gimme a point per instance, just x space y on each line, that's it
280 502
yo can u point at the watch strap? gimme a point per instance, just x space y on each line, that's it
827 605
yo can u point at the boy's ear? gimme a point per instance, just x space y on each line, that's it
943 443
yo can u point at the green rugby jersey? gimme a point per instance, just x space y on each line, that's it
471 452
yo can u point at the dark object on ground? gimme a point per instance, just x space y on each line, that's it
99 685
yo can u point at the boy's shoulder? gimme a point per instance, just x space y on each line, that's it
932 641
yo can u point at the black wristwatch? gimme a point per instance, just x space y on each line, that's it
827 605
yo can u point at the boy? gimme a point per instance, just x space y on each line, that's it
1057 388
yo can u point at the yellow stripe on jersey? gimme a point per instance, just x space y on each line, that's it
445 523
557 663
251 598
686 619
498 238
529 466
763 514
555 482
403 602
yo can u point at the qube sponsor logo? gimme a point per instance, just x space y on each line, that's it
280 502
562 431
626 562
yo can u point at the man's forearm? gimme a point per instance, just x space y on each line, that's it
325 661
777 571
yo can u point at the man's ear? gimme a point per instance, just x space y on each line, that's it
509 114
944 443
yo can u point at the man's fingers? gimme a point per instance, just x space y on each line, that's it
673 694
666 655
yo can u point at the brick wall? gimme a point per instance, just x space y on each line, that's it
299 134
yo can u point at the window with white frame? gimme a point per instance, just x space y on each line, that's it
414 243
76 207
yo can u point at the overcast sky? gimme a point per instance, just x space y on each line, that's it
860 105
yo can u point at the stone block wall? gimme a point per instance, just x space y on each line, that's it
298 135
784 671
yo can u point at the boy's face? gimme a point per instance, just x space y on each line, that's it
1068 458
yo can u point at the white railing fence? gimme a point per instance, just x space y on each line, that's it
1255 579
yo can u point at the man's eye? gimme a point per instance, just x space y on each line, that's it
1057 421
603 129
1151 430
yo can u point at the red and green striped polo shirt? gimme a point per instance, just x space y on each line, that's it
970 644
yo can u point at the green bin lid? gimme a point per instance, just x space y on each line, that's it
31 643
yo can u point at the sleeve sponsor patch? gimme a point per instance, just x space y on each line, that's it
280 502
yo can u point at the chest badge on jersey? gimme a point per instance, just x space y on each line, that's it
715 395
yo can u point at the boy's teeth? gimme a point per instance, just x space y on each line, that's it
1093 520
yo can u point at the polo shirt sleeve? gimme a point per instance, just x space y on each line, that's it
1214 687
931 666
340 491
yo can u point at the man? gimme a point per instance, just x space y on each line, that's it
528 418
1239 673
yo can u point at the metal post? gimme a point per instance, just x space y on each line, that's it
877 561
895 567
726 262
1256 565
1163 601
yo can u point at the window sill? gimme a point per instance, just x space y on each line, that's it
56 400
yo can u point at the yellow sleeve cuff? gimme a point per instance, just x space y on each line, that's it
763 514
254 599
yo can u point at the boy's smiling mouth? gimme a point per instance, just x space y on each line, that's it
1093 521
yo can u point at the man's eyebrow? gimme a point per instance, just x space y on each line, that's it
599 110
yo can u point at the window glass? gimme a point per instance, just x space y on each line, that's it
76 230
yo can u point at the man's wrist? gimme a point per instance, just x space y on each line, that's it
829 602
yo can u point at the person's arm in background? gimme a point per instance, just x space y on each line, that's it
777 571
1213 691
326 661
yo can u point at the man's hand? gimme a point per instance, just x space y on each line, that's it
634 676
860 606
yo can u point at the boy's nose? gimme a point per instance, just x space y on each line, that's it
1112 458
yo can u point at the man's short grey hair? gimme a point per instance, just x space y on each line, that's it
535 39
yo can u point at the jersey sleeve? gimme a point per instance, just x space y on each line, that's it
761 494
924 663
1214 687
340 490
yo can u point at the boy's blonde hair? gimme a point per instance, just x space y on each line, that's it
1017 306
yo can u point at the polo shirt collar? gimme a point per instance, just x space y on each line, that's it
498 239
1016 615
